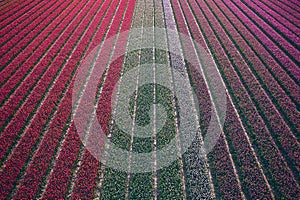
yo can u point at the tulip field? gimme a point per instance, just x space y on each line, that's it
49 151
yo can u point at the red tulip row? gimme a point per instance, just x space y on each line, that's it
9 111
287 29
58 123
11 34
286 46
14 48
267 149
15 90
288 141
58 161
89 168
19 24
6 4
282 14
32 70
56 178
11 9
36 126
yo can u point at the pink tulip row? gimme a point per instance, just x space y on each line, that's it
14 48
37 124
49 194
288 30
12 8
278 125
6 4
58 123
64 181
242 99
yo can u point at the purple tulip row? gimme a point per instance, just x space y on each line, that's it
286 46
278 11
234 135
288 142
265 143
283 6
282 25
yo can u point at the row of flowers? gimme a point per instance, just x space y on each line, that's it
26 99
11 8
57 78
264 143
277 125
12 29
20 84
88 172
85 179
282 43
16 43
288 30
284 17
